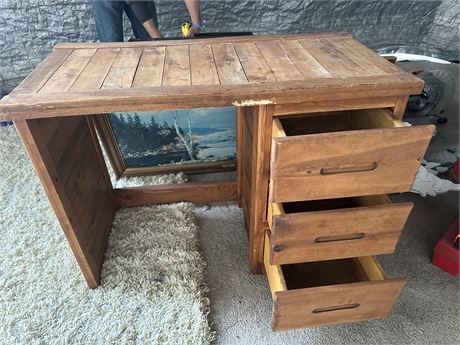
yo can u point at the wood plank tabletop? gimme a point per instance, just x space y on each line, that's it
91 78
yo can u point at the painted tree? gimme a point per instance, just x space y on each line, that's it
187 139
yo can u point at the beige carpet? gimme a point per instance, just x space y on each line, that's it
152 289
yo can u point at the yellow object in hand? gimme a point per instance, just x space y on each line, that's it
185 28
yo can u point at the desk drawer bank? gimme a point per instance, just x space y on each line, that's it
320 144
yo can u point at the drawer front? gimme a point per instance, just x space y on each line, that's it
334 304
372 297
335 234
349 163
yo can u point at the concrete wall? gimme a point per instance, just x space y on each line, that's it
30 28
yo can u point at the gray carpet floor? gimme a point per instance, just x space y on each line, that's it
427 311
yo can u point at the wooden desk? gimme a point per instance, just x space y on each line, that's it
269 79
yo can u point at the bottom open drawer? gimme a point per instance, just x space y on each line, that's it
329 292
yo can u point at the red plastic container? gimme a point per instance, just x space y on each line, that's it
446 256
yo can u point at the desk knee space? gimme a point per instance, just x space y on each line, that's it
67 157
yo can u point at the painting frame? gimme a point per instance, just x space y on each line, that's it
108 139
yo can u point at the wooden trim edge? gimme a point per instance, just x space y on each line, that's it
196 192
213 40
106 135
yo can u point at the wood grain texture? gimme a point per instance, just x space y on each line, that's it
123 69
328 57
177 66
150 70
54 135
375 118
254 64
245 170
221 72
228 64
68 72
200 168
346 163
199 96
400 107
254 176
34 81
368 268
305 63
296 308
377 60
355 56
202 66
95 72
277 129
336 105
77 186
260 171
363 295
335 234
196 192
278 61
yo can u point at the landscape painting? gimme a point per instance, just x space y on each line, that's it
173 137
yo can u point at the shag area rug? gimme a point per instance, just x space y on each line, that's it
152 289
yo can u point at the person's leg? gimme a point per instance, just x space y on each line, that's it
138 28
108 15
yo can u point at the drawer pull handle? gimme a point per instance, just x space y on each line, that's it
335 308
349 169
324 239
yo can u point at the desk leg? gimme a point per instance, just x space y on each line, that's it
255 146
68 160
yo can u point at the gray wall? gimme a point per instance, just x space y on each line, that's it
30 28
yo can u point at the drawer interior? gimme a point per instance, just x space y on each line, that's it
314 123
328 204
331 272
321 273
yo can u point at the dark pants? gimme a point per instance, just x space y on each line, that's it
108 15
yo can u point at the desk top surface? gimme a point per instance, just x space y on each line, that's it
91 78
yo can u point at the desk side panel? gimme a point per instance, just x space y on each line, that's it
68 160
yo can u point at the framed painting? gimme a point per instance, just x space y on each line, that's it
190 140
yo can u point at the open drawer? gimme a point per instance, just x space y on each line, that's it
329 292
342 154
334 228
